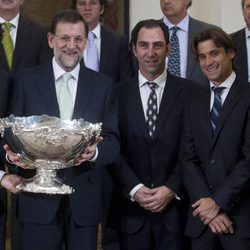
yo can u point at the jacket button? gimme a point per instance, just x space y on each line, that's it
212 161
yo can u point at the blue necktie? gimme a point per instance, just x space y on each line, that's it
152 108
92 53
215 111
174 56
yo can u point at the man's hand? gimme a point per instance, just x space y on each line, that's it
10 181
89 152
15 158
141 195
159 199
221 224
206 209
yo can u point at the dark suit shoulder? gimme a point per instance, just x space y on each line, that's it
238 34
113 34
198 25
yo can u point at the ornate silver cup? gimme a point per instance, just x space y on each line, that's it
48 144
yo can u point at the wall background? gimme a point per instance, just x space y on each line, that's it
224 13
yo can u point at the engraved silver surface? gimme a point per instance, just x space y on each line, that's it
48 144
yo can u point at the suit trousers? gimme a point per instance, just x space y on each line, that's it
210 241
61 233
153 235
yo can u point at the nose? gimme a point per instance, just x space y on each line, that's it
208 60
151 50
71 43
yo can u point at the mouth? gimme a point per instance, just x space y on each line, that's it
70 52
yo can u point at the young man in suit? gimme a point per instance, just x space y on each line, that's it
29 39
215 150
74 218
113 60
147 205
176 15
242 41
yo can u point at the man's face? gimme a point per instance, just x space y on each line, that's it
151 51
68 44
90 10
246 12
174 9
215 63
11 5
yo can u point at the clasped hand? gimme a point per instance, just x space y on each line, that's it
154 200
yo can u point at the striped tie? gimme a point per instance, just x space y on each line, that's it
215 111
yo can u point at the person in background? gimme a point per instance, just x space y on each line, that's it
182 28
111 57
215 149
242 42
73 219
148 202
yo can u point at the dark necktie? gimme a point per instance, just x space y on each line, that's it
215 111
152 108
174 56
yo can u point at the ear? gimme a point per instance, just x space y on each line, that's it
50 37
102 10
134 50
231 53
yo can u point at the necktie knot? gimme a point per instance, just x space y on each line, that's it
7 27
152 85
217 90
175 29
91 36
66 77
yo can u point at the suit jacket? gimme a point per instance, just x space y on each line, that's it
34 93
115 58
31 47
144 161
193 70
218 166
3 109
239 37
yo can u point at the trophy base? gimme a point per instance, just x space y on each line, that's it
46 182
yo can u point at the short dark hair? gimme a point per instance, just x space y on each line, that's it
149 24
103 3
220 38
242 3
67 16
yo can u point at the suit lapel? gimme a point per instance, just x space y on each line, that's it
171 92
232 99
46 87
22 35
106 42
84 91
135 106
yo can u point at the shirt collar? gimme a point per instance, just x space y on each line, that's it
247 31
160 80
227 83
97 31
58 71
183 24
13 21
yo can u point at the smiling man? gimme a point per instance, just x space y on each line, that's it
145 211
215 156
48 221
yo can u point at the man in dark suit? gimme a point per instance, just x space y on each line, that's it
242 42
29 39
114 60
215 155
7 181
176 15
146 209
73 219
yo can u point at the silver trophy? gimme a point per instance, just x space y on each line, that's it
47 144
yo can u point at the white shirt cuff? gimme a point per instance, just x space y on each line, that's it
2 173
134 190
93 159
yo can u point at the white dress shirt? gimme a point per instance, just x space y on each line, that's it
182 35
248 51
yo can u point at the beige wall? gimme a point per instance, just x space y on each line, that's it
224 13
